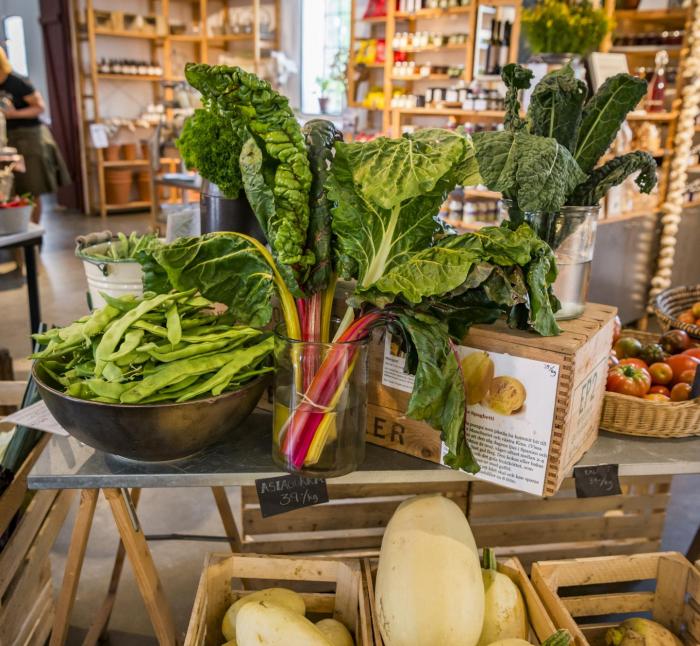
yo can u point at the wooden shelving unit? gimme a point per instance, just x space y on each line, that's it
462 19
89 35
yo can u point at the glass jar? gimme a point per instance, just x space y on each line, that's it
571 234
319 414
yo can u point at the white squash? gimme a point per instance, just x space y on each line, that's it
511 641
335 632
429 589
230 642
504 615
279 596
265 624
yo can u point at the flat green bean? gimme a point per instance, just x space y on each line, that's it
112 372
172 324
229 333
105 388
191 350
156 330
132 340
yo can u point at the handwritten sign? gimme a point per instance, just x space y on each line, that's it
284 493
601 480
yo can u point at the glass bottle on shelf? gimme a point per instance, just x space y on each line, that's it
657 85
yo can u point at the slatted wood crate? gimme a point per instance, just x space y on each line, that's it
26 594
541 625
338 592
579 354
354 519
579 592
532 529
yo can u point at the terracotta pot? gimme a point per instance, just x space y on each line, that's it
145 150
130 151
143 181
118 183
111 153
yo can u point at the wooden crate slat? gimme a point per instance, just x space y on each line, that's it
22 597
37 626
694 586
12 555
671 586
691 619
314 541
558 531
602 604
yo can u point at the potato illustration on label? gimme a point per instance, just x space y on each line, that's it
477 369
506 395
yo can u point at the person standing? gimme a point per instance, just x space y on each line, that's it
46 170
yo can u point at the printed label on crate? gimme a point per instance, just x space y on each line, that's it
281 494
510 415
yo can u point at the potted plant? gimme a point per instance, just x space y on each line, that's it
324 86
563 31
547 165
336 80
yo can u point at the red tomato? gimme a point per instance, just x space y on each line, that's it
693 352
657 397
680 393
680 363
629 380
661 373
617 329
687 376
634 361
627 346
659 390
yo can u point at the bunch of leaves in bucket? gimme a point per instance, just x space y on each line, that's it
550 158
363 212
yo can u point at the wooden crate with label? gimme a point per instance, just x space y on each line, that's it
531 449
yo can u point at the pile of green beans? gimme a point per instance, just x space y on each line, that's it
123 247
159 348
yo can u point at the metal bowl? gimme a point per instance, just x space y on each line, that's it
150 432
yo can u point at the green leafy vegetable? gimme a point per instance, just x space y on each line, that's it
614 172
516 78
555 107
211 144
604 114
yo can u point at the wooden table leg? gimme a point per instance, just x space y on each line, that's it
99 626
74 563
142 564
224 507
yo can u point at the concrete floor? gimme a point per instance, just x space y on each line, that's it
183 511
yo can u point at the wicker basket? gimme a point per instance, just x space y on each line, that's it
672 302
635 416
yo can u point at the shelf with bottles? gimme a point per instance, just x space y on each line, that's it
424 41
497 34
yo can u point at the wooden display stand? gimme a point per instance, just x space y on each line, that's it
541 625
331 588
516 524
581 354
675 601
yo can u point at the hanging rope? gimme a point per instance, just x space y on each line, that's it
672 207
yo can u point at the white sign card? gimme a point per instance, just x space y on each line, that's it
512 450
98 135
36 416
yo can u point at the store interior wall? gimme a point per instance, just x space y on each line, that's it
28 10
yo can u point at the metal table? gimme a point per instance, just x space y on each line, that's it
28 240
240 460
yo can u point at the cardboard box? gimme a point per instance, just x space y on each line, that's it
533 449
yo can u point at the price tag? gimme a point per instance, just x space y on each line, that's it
98 135
285 493
601 480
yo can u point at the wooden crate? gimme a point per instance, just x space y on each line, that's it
580 353
26 593
578 593
354 519
541 625
533 529
329 588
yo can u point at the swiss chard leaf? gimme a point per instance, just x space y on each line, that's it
376 227
556 106
320 136
603 115
612 173
438 391
537 173
246 99
224 267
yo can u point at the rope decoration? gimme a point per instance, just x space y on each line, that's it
672 207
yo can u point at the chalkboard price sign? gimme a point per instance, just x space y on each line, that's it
601 480
284 493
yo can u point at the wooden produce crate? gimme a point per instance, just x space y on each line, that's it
354 520
541 625
537 457
330 588
26 593
579 592
516 524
